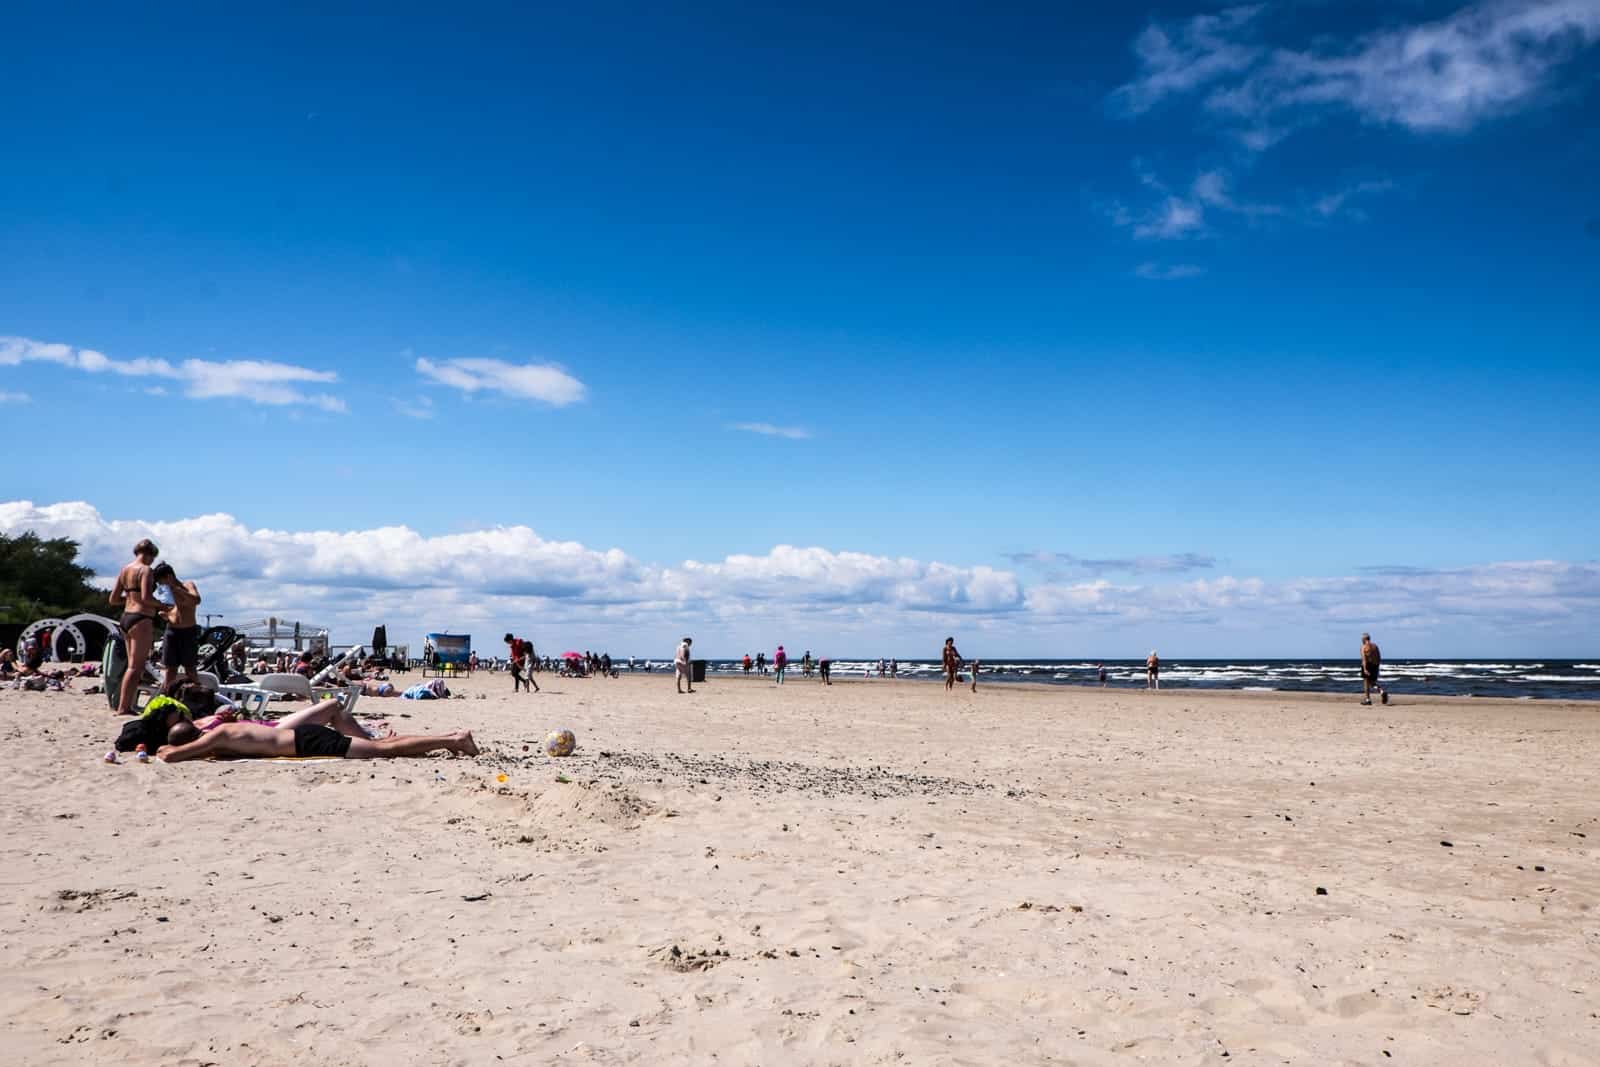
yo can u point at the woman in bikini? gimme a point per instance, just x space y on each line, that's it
135 594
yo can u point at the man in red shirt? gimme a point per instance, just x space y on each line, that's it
521 669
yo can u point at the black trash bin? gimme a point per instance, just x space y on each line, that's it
697 670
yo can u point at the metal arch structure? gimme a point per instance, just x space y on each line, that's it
56 628
111 627
68 627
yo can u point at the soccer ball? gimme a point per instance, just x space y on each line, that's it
560 743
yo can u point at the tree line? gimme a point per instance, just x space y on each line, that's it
41 578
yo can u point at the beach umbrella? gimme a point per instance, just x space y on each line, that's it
572 655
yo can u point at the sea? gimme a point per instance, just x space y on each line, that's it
1546 679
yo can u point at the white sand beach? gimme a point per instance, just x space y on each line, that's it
872 873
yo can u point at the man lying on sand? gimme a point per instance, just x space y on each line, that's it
310 739
324 729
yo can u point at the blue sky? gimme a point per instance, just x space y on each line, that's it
1274 294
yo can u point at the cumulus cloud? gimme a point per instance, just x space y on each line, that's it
1484 61
767 429
1504 599
505 573
546 382
257 381
502 578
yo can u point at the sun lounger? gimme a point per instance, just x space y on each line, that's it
298 687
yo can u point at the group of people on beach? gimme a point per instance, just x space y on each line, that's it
328 728
167 725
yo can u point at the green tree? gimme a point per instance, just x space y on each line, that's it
40 578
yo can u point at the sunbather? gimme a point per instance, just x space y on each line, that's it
307 739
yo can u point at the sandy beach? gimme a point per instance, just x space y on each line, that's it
876 872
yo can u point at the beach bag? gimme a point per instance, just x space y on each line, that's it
132 736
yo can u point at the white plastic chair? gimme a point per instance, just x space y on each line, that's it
299 687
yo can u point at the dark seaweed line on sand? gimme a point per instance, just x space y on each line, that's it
795 777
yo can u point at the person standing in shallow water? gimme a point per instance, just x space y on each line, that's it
1371 661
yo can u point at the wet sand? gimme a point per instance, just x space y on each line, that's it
874 872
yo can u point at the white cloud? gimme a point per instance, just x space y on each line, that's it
15 398
508 577
1178 58
1508 599
420 407
258 381
1484 61
1338 202
1176 218
1168 563
1157 272
1212 187
509 573
767 429
1208 203
546 382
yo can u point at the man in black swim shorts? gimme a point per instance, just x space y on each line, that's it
309 739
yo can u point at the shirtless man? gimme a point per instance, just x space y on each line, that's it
1371 660
682 671
1152 671
325 729
135 593
181 646
951 659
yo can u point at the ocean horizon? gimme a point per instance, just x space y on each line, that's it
1535 679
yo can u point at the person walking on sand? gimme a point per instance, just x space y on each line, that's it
521 665
805 664
181 646
951 660
1100 674
135 593
1152 671
825 670
976 666
682 670
1371 660
780 660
